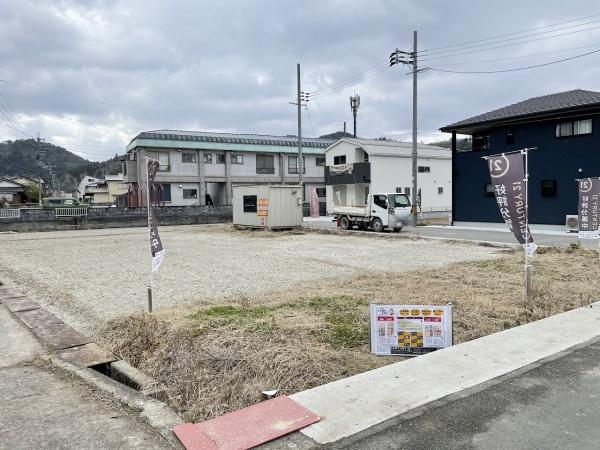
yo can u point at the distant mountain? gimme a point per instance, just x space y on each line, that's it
57 166
335 136
461 144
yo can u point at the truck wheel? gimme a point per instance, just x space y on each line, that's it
377 225
345 223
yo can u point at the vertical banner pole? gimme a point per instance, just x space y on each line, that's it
527 273
150 275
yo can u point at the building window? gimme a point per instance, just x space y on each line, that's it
189 194
424 169
208 158
489 190
161 192
407 191
265 164
293 164
250 203
510 136
574 128
440 190
548 188
481 143
320 161
163 160
220 159
188 157
340 159
398 190
237 159
365 156
320 192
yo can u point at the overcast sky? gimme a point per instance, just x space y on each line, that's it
90 75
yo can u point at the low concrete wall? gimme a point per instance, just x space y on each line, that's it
45 220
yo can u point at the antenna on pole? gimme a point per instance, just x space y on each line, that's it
354 104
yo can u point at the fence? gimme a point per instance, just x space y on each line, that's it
70 212
39 219
10 213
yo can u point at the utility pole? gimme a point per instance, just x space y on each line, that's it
354 104
299 101
397 58
301 97
414 132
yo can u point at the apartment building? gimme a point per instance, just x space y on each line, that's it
198 167
356 167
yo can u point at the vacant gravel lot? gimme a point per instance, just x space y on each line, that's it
88 277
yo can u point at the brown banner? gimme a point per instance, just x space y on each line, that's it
508 179
156 248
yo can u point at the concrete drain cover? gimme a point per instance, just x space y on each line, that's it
87 355
16 304
51 329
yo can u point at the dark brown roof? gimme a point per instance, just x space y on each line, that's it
537 105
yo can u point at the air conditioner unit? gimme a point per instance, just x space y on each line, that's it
572 223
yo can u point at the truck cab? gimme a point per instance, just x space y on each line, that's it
381 211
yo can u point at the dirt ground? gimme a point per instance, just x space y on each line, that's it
219 358
89 277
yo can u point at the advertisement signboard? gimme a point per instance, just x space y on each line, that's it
508 180
410 330
589 191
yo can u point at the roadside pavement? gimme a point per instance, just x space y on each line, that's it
553 406
491 235
43 408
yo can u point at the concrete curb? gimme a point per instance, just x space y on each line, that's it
153 412
126 380
359 404
411 236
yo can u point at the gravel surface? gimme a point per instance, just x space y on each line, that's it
88 277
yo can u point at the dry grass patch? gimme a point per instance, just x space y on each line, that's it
219 358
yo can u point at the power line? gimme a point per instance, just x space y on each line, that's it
310 121
518 68
511 39
508 45
509 34
521 56
369 69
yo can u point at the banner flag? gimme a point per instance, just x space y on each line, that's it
589 191
314 203
156 248
508 180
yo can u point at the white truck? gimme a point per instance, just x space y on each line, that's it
381 211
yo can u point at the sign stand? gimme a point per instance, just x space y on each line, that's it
502 172
528 268
151 274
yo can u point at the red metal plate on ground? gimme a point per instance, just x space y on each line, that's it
247 427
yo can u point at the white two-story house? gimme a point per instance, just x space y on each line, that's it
356 167
198 168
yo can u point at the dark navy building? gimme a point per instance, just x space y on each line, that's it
565 128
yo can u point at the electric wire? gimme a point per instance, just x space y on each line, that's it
517 68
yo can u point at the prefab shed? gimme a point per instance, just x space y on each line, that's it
267 206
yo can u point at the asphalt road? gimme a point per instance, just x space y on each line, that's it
552 406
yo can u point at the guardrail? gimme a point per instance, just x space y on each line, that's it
71 212
10 213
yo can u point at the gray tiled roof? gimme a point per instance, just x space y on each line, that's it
231 138
536 105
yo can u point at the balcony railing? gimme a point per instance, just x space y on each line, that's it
348 174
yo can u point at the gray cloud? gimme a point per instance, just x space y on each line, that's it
90 75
